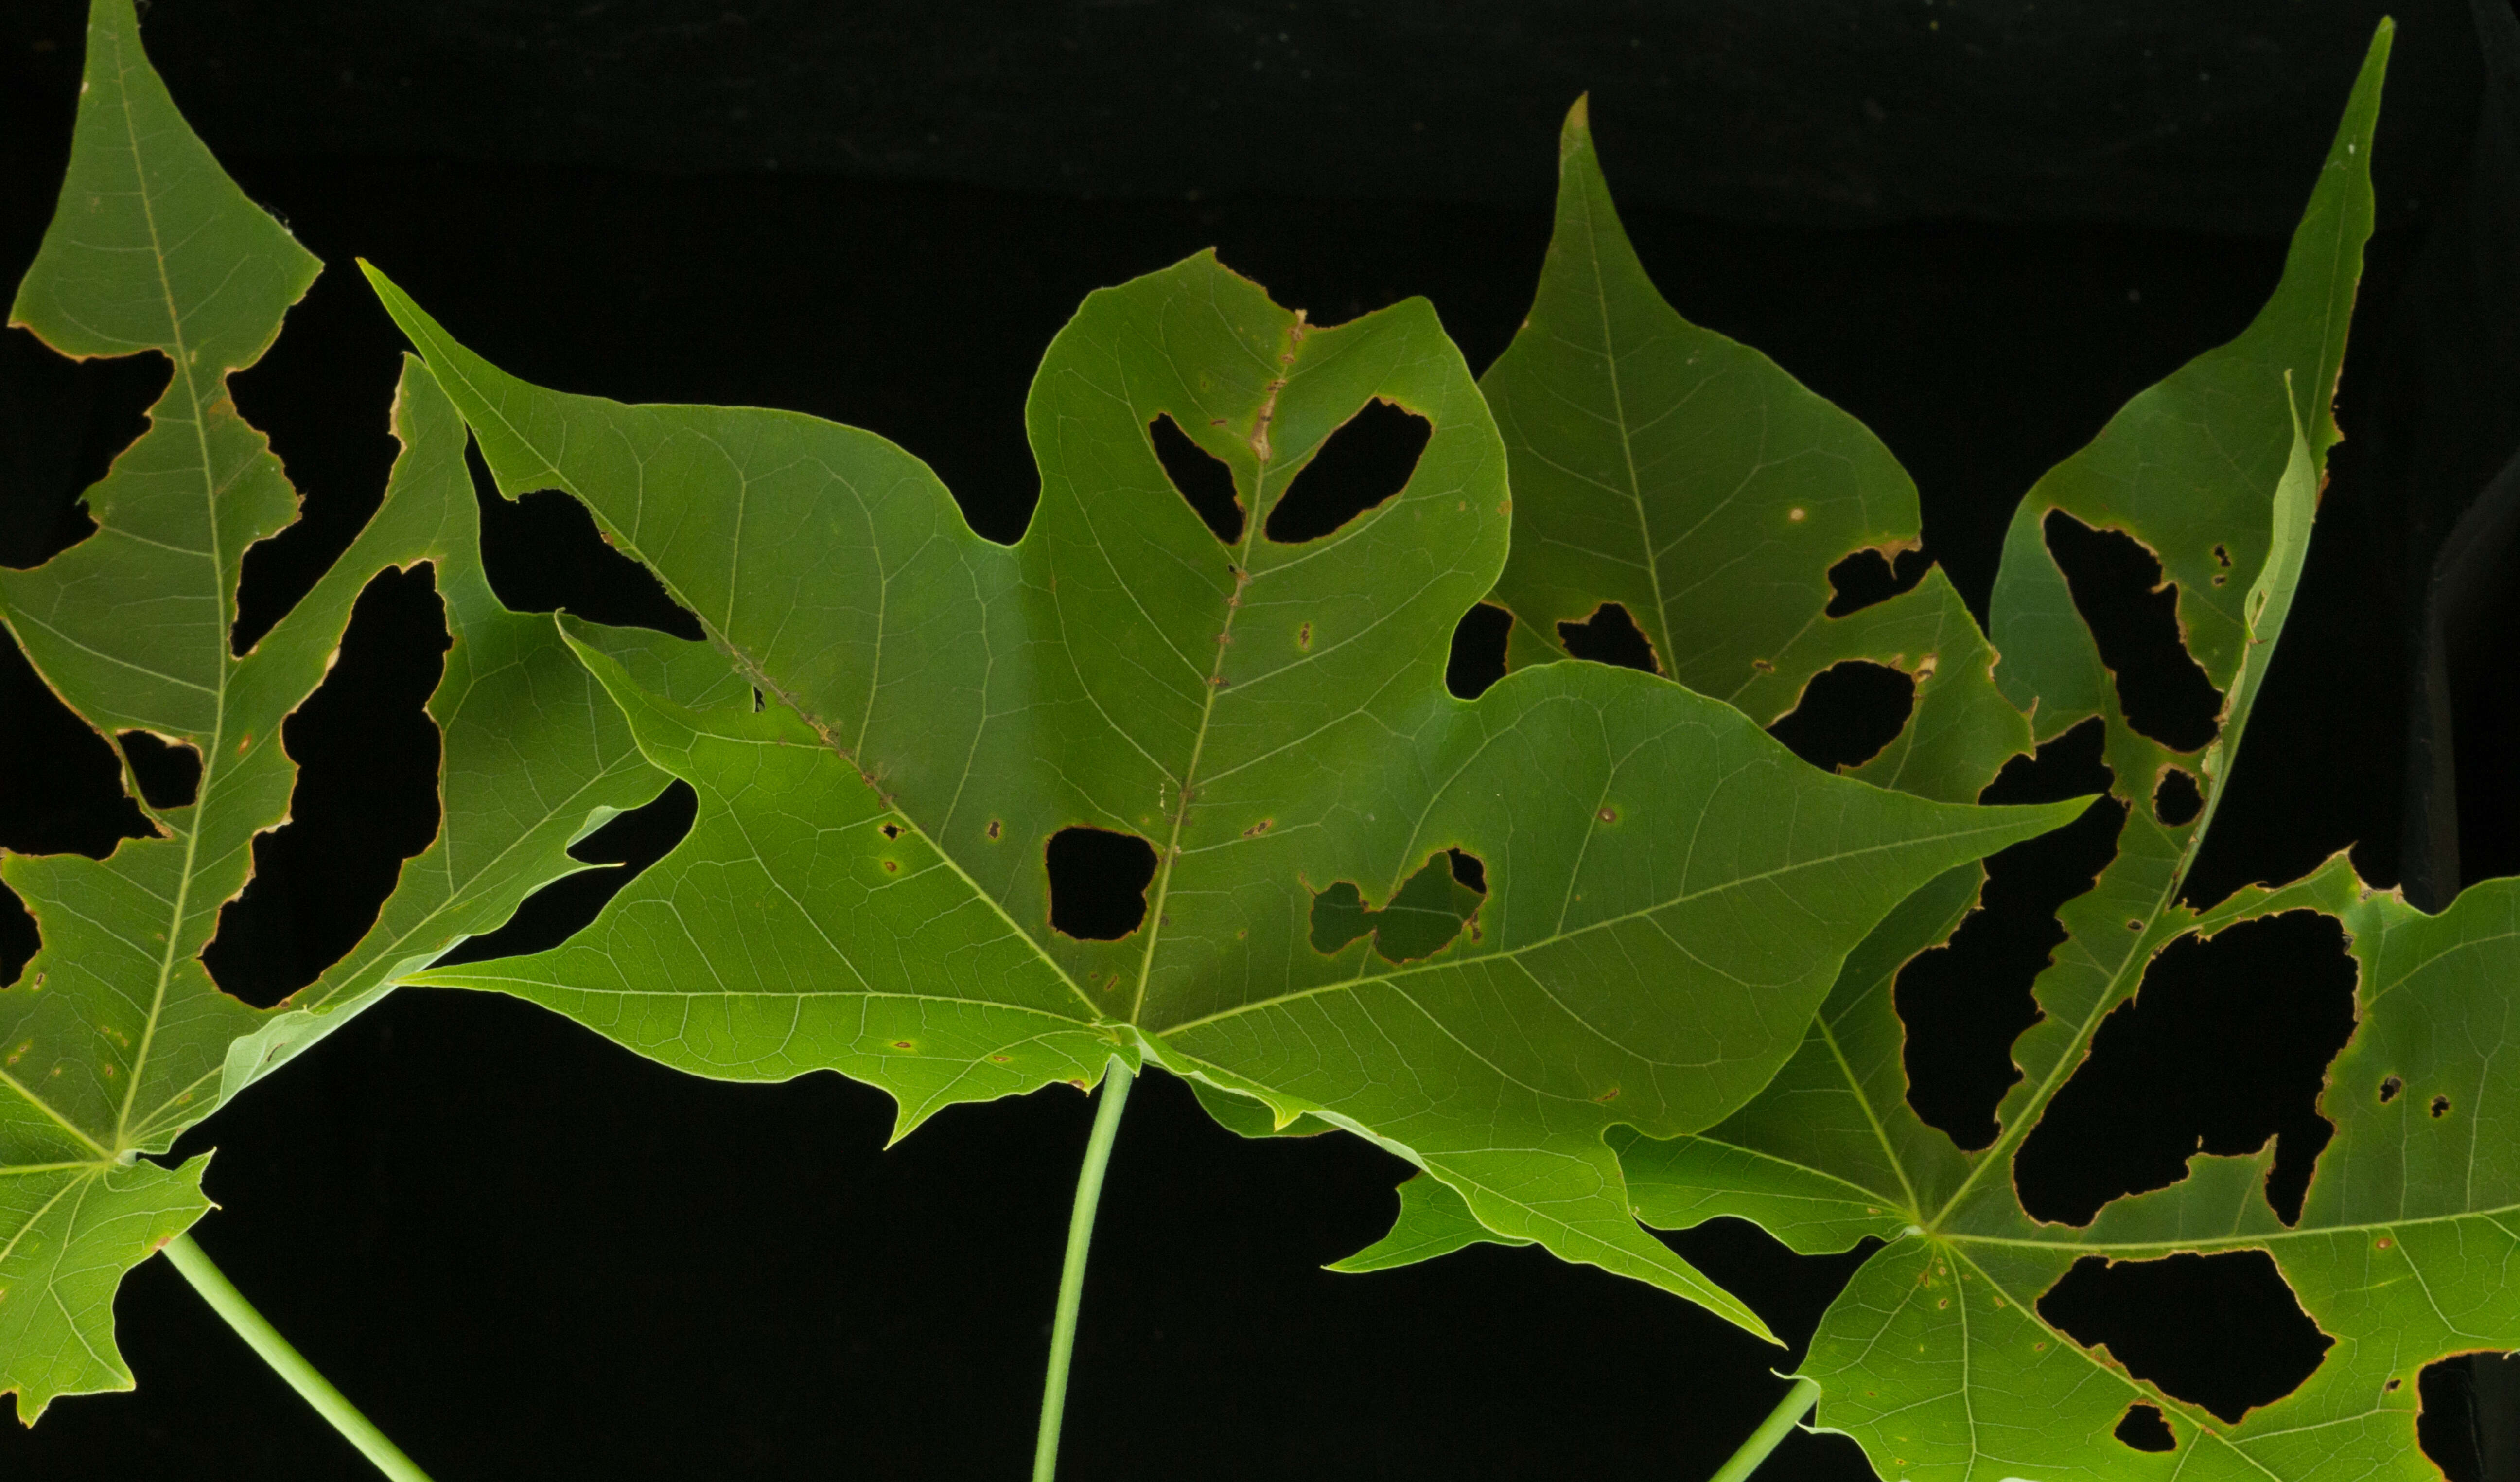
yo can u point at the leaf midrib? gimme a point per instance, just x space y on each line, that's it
214 753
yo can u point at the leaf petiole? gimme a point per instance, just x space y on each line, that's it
1071 1274
1796 1404
258 1333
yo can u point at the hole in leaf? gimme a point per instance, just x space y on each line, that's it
2177 799
62 422
1847 714
365 799
543 554
1098 882
629 843
64 794
1425 914
2133 618
169 772
1965 1002
2145 1428
1365 462
2223 1331
19 939
2441 1106
2225 1044
1478 650
1201 478
319 395
2464 1413
1868 578
1609 637
2389 1088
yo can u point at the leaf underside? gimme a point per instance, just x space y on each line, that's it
115 1039
1936 1357
1665 892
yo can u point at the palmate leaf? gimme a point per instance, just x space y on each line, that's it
1937 1358
1688 479
114 1038
1666 892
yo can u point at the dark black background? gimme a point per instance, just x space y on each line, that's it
1979 227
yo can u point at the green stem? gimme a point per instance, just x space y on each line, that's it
229 1303
1071 1276
1796 1404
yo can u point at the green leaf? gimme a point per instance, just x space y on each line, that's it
1688 478
115 1039
1936 1357
1667 892
1434 1221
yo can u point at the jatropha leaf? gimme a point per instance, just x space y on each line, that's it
115 1039
1937 1358
1481 933
1688 481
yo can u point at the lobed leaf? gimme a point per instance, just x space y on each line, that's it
115 1039
1663 893
1688 479
1937 1358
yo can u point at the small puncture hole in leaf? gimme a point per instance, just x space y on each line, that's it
63 426
1363 463
1098 882
365 798
2177 799
2389 1087
1868 578
1847 714
169 772
891 830
64 794
543 554
2222 1330
2133 618
2225 1044
1478 650
1965 1003
2441 1106
1470 869
2144 1429
1609 637
1201 478
629 842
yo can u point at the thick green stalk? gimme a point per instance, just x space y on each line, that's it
1796 1404
318 1391
1071 1276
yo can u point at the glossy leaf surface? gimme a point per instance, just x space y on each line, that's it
1663 893
1937 1358
115 1039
